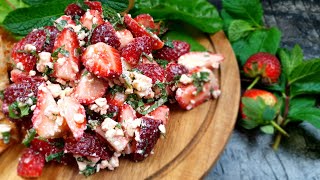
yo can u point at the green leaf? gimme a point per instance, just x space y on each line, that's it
264 40
6 137
24 20
239 29
184 36
89 171
31 133
18 110
249 10
269 113
248 124
117 5
7 6
290 59
200 13
55 156
308 114
227 19
296 104
300 88
268 129
307 71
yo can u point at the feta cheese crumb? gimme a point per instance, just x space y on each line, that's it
20 66
162 128
184 79
30 48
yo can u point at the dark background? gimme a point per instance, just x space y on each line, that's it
248 155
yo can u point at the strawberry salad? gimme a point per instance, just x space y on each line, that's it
93 86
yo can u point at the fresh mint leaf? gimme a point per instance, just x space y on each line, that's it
24 20
18 110
307 71
117 5
169 44
55 156
268 129
227 19
290 59
7 6
248 10
113 17
6 137
163 63
88 171
31 133
263 40
200 13
239 29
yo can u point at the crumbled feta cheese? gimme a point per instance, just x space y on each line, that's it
30 48
61 61
33 107
143 85
216 93
32 73
184 79
108 124
55 89
79 118
20 66
101 102
162 128
100 106
5 128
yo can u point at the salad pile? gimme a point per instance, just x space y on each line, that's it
93 86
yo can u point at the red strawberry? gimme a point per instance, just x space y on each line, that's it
192 60
67 66
126 113
139 31
90 18
173 70
102 60
264 65
67 19
144 142
52 32
153 71
46 117
89 88
73 10
94 5
161 113
172 53
30 164
125 37
21 51
74 114
88 145
133 51
188 98
145 20
18 76
105 33
268 98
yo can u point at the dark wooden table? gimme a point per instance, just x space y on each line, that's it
248 154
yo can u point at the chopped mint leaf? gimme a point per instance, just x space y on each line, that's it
1 95
163 63
118 126
31 133
18 110
60 25
113 17
116 88
85 73
199 79
6 137
147 56
60 50
55 156
169 43
88 171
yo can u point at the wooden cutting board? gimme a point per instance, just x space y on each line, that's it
193 142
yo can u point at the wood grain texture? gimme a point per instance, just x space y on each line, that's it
193 142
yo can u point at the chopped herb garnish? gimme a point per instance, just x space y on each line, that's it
47 36
93 124
82 5
89 171
80 159
18 110
118 126
147 56
199 79
29 137
116 88
60 25
85 73
113 17
6 137
60 50
163 63
55 156
169 43
1 95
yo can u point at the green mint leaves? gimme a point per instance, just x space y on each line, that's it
18 110
31 133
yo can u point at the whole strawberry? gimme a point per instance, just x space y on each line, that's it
263 65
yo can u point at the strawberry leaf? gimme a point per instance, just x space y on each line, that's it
307 71
309 114
268 129
239 29
304 88
290 59
248 124
264 40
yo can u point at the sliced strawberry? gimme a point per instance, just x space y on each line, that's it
174 70
127 113
133 51
115 141
161 113
172 53
51 32
18 76
67 66
88 145
90 18
102 60
105 33
153 71
74 114
30 164
74 10
94 5
146 138
64 21
139 31
188 98
46 117
125 37
89 88
192 60
145 20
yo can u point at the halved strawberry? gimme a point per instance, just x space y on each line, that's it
94 5
172 53
146 138
18 76
105 33
174 70
74 114
90 18
133 50
161 113
64 21
139 31
89 88
67 66
153 71
46 117
52 33
145 20
126 113
192 60
125 37
30 164
102 60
